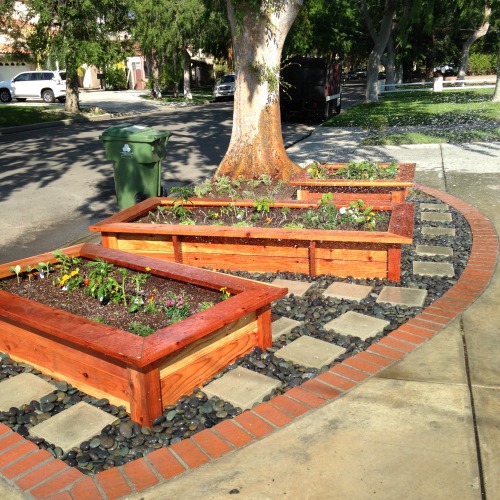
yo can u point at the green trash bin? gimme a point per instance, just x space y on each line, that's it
136 153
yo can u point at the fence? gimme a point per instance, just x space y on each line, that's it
437 85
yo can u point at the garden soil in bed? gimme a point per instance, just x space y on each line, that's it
46 291
126 441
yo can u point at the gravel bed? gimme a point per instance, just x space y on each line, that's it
125 440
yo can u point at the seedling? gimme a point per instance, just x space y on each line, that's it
17 271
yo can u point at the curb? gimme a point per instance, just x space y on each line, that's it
37 473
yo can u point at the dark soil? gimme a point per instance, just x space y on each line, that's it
47 291
269 217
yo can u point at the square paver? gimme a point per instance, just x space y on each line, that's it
434 206
433 269
284 326
411 297
434 250
298 288
436 216
310 352
357 325
347 291
22 389
438 231
72 426
241 387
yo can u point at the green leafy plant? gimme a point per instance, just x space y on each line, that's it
139 279
205 305
263 205
140 329
363 170
176 308
17 271
100 284
43 268
67 262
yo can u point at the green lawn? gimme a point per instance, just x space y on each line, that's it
12 116
453 116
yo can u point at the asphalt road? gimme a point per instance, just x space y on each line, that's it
55 182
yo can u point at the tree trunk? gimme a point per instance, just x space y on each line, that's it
380 43
496 94
72 104
187 75
473 37
256 145
155 73
390 65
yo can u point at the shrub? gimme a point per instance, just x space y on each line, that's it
116 78
481 64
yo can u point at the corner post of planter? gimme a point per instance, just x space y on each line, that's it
394 262
145 394
109 240
264 335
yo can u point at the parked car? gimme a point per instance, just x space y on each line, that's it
46 85
449 69
224 87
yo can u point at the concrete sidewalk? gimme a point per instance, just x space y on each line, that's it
409 432
426 427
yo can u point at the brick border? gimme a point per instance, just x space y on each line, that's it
40 475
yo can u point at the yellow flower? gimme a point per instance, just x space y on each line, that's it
148 269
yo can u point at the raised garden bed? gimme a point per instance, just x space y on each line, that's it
361 254
371 191
143 374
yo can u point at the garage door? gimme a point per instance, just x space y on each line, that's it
10 70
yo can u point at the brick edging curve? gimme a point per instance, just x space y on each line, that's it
37 473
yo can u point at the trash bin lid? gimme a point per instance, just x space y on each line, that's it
133 133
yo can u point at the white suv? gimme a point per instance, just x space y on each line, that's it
224 88
46 85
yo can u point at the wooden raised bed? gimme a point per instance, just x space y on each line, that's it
371 191
143 374
361 254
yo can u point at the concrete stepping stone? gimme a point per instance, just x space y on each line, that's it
310 352
284 326
357 325
433 269
72 426
434 250
298 288
241 387
411 297
434 206
438 231
347 291
436 217
22 389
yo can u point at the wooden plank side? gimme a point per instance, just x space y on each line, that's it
258 263
145 395
352 252
357 269
195 364
65 362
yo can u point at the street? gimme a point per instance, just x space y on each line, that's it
55 182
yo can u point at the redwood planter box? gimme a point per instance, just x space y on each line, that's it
362 254
143 374
381 190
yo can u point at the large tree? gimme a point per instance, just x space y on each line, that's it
480 27
258 30
78 29
380 39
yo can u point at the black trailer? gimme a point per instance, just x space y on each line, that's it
310 88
